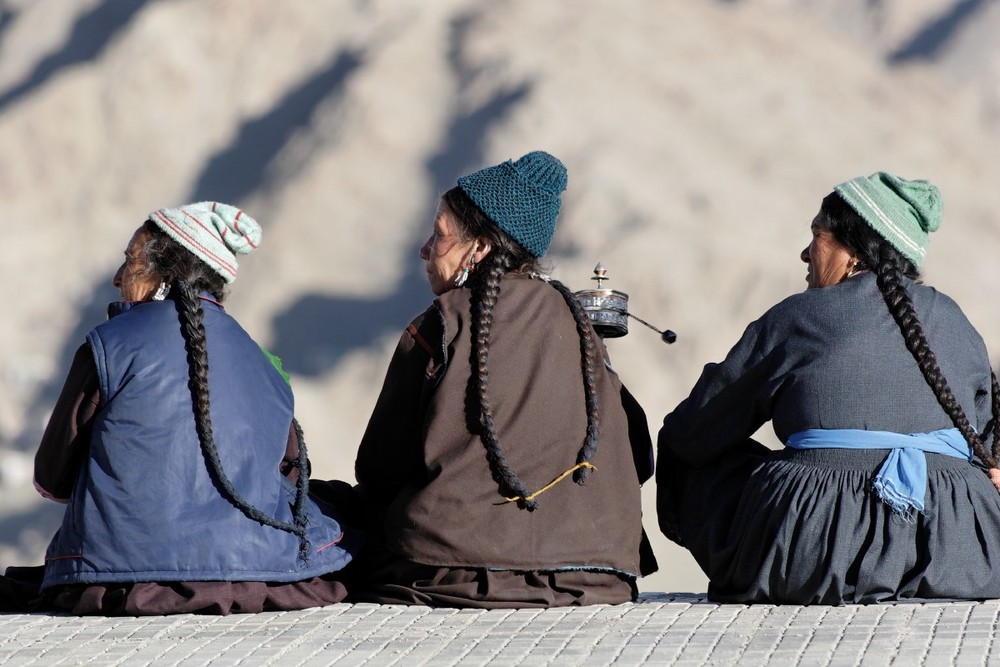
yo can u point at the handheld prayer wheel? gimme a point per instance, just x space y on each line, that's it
608 309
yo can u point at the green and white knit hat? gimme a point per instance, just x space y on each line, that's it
522 198
214 232
903 212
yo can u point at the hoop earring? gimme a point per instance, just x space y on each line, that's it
463 275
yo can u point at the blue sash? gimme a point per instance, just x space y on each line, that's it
901 482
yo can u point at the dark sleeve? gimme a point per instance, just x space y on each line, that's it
391 449
730 401
642 457
638 435
66 440
984 392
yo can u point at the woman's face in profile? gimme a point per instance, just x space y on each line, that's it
445 252
829 261
133 279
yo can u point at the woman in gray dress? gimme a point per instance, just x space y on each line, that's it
882 391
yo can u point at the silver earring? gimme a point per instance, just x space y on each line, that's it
463 275
161 292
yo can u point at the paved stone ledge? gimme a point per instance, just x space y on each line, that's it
661 629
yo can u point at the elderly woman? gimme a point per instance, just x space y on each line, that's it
882 392
502 463
174 445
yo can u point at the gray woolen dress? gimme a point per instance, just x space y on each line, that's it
805 527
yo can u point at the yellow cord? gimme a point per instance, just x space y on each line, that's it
548 486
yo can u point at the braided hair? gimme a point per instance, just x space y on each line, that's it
890 268
507 256
189 277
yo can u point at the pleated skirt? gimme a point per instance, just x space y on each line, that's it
805 527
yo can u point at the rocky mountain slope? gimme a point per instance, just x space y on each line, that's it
700 138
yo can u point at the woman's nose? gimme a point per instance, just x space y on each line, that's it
117 280
804 255
425 250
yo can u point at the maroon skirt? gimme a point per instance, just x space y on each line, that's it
405 582
19 592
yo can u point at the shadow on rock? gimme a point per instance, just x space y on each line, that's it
91 34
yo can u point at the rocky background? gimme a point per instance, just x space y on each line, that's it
700 137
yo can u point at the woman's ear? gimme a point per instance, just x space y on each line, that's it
483 248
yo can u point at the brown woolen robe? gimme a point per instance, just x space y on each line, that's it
440 532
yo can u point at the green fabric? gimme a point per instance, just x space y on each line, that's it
276 362
903 212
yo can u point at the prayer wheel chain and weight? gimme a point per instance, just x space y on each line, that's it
608 309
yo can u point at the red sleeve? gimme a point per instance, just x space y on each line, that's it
66 440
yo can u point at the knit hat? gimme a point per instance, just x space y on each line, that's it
214 232
903 212
522 198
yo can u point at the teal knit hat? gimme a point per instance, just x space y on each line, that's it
903 212
522 198
214 232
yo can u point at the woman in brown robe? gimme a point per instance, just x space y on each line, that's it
502 463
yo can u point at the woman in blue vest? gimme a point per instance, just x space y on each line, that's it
175 447
883 394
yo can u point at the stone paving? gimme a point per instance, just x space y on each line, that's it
660 629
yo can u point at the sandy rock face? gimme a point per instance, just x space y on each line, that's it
700 138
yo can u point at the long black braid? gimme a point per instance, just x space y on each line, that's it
485 290
890 268
506 257
588 362
189 277
993 426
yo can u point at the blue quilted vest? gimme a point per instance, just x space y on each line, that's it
144 507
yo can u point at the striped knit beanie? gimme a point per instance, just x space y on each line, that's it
214 232
522 198
903 212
